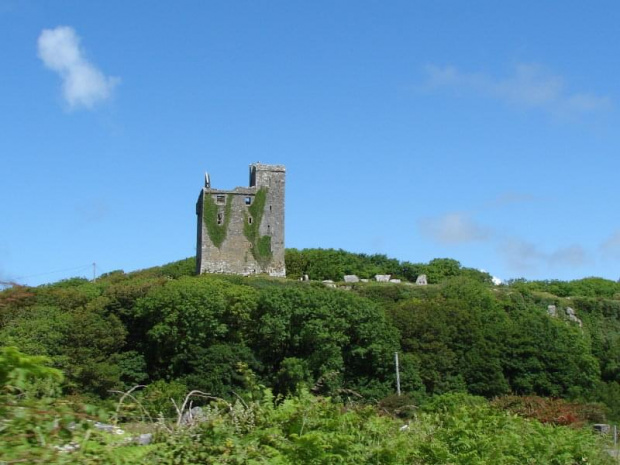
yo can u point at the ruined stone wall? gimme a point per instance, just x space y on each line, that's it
253 238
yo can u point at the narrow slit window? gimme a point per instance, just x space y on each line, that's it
220 218
249 220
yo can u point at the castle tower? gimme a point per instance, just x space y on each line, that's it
241 231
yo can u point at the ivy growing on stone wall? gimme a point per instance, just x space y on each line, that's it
261 245
217 232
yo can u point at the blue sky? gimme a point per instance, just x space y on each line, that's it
482 131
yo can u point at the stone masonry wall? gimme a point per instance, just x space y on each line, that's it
234 255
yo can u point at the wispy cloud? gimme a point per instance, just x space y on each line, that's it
610 248
511 198
522 256
453 228
573 256
529 86
83 84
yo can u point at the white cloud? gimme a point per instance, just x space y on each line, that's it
453 228
518 254
530 86
82 83
494 279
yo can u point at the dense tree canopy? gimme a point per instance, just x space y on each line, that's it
320 264
164 325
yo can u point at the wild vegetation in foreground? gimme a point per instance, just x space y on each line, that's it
296 372
258 428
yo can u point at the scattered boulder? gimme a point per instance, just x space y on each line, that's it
144 439
395 281
552 311
108 428
364 280
351 278
421 280
602 428
329 283
383 278
572 316
70 447
194 415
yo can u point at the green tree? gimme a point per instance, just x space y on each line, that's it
547 356
332 331
439 269
457 338
188 315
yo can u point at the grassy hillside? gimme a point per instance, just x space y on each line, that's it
240 337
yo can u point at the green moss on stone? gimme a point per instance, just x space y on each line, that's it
261 245
216 232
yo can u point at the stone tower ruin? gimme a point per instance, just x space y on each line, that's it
241 231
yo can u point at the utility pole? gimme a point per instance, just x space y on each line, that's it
397 373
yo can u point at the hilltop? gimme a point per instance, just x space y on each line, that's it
175 332
459 333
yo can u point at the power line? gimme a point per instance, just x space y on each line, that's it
55 271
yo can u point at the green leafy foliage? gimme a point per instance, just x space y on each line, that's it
333 332
306 429
179 268
167 328
160 397
547 356
313 430
79 340
456 338
587 287
38 428
261 245
217 232
332 264
18 371
185 317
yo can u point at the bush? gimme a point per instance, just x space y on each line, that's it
553 411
